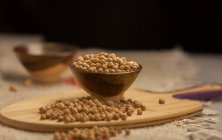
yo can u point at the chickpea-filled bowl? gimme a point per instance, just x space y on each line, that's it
105 75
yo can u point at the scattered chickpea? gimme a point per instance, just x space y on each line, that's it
143 108
53 116
110 103
139 112
119 130
116 117
67 111
87 108
59 101
60 118
66 103
43 117
124 117
67 119
95 133
47 115
103 116
161 101
57 136
91 117
106 71
129 113
98 118
127 132
73 110
61 105
109 118
112 132
100 70
42 109
136 104
13 88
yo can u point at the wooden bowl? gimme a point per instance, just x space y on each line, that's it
107 86
45 61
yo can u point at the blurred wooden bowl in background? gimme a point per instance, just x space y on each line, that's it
45 61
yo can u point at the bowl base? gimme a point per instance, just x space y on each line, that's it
113 98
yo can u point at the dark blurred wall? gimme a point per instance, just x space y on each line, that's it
152 24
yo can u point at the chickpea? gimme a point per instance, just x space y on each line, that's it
86 57
110 60
143 108
67 119
139 112
79 108
111 70
98 118
100 70
60 118
93 63
104 66
57 136
127 67
42 109
127 132
137 104
67 111
116 116
61 105
112 132
106 71
91 117
161 101
43 117
90 109
53 116
80 58
122 67
134 67
129 113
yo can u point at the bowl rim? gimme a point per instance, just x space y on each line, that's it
75 49
115 73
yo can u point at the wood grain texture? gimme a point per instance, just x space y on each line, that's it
24 114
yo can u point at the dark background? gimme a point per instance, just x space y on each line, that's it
152 24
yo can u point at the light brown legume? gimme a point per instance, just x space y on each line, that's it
90 109
105 63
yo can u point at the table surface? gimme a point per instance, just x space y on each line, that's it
210 70
209 66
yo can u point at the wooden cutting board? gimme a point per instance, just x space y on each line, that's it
24 114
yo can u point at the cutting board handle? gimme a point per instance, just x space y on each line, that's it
201 92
